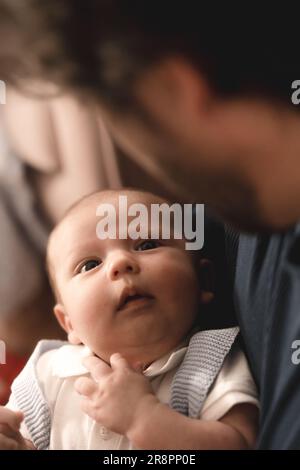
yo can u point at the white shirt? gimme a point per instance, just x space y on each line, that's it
58 369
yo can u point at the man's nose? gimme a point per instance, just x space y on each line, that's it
122 263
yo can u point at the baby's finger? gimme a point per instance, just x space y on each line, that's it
88 408
118 362
12 418
85 386
7 443
96 367
8 431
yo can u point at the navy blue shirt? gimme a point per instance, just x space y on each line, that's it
267 304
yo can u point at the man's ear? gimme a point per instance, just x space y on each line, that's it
175 81
65 322
207 280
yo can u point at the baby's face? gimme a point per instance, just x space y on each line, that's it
137 297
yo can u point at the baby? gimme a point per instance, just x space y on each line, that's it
136 372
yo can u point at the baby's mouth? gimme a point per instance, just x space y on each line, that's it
133 299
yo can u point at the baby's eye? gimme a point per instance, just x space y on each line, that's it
148 245
89 265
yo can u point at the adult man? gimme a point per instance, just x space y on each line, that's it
207 96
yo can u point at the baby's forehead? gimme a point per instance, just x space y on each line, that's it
116 199
98 204
83 216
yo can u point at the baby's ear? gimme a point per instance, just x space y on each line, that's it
65 322
207 280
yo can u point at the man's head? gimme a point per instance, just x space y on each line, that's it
204 94
138 297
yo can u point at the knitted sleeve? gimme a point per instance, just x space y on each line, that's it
28 397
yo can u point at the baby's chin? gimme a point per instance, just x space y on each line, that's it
142 343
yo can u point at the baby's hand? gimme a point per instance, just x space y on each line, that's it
10 436
115 396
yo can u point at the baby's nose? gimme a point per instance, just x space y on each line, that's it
120 264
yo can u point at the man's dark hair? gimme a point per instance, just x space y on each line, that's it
99 47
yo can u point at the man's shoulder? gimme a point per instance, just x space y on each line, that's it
266 291
276 250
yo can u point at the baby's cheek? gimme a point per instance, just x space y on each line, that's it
187 285
183 273
80 308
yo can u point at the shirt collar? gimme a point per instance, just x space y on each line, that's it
67 362
166 363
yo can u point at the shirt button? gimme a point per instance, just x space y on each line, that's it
105 434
